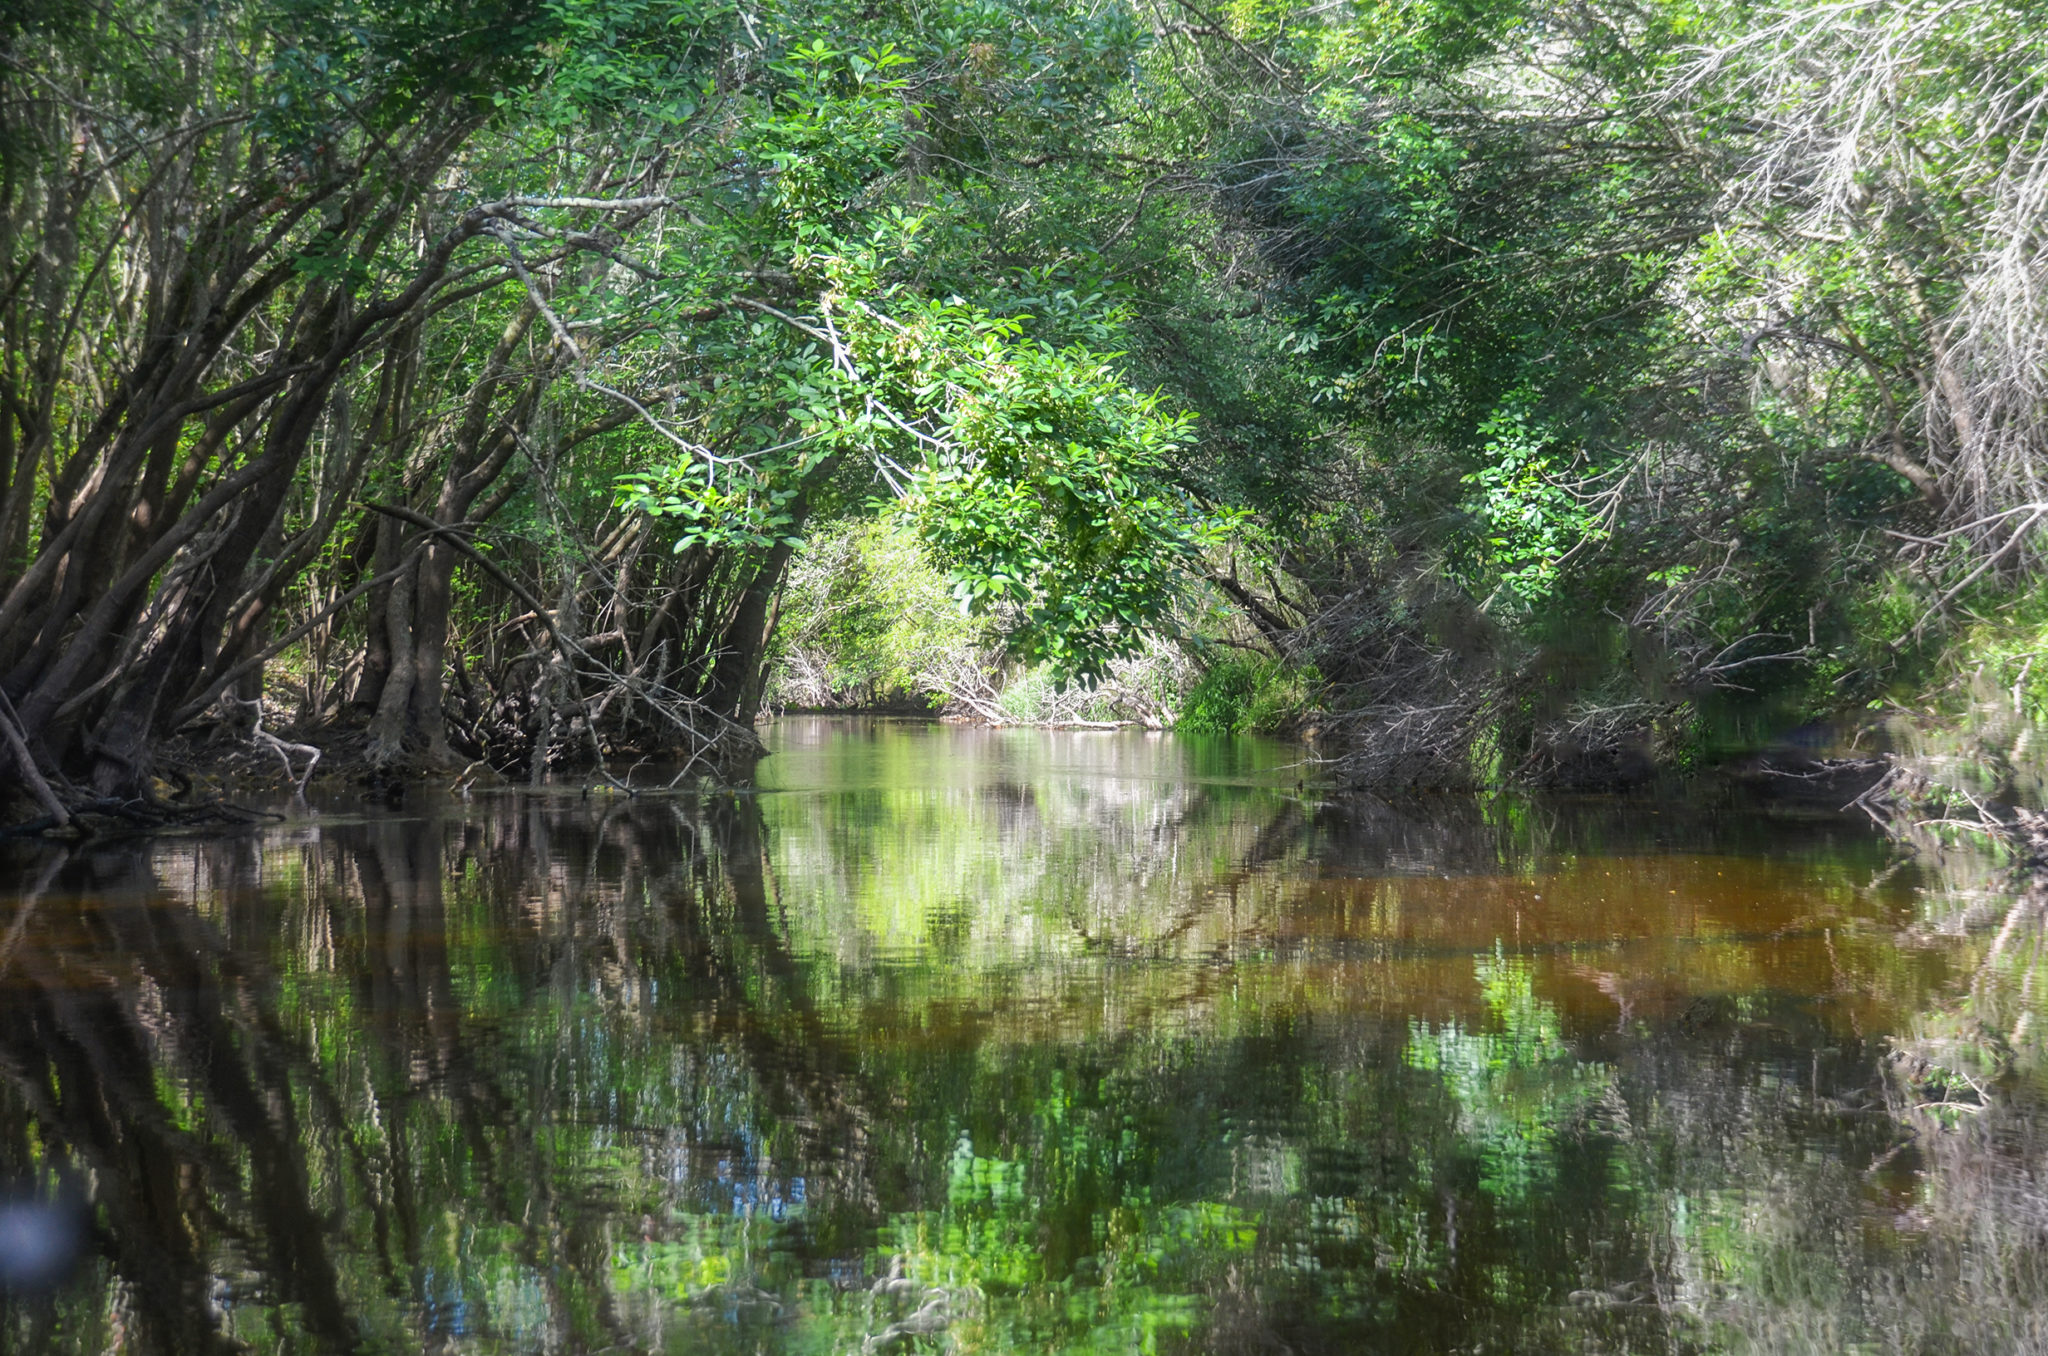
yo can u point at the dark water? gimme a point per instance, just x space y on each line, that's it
1013 1041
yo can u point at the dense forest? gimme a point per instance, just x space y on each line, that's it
1509 391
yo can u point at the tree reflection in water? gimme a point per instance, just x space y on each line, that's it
998 1041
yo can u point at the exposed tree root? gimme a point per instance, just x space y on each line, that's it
104 816
284 749
73 813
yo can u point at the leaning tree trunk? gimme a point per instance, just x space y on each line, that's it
738 675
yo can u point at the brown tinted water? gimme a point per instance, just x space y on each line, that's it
952 1039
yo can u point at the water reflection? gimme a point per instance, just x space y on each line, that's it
956 1039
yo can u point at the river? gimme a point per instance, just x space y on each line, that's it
955 1039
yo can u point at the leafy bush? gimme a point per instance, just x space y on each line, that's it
867 620
1250 696
1031 696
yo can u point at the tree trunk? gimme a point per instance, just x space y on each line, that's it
377 657
736 679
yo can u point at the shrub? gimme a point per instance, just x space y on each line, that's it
1250 696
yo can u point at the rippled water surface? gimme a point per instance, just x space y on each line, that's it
955 1039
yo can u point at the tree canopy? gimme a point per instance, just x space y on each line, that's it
1537 391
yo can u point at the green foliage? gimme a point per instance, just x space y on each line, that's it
1052 502
1029 697
1528 522
1590 338
1034 475
332 64
1484 319
867 619
1250 695
1025 463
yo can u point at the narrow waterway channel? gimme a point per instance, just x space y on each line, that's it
959 1039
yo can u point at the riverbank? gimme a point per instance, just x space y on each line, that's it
1929 781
